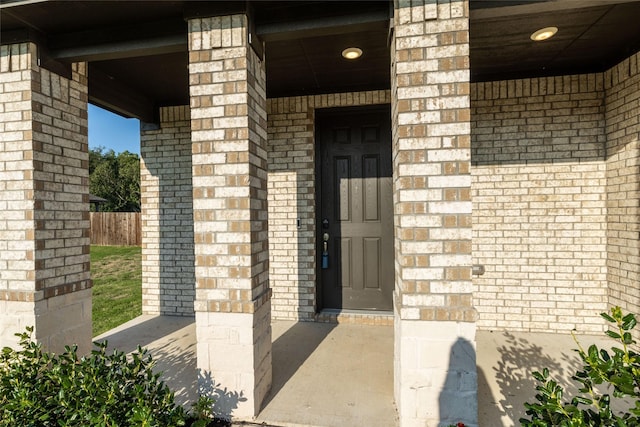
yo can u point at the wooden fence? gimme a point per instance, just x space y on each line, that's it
116 228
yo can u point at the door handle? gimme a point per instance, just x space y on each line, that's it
325 251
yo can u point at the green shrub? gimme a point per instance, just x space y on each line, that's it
202 412
616 373
41 389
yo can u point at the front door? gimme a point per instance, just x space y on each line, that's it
355 225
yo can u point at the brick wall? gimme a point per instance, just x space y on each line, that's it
539 203
17 226
291 193
229 167
44 231
622 84
61 172
431 162
228 130
434 339
168 259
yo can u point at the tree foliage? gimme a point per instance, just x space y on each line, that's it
116 178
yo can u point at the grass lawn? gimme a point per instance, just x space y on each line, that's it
117 285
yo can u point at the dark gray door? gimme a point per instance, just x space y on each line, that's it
356 208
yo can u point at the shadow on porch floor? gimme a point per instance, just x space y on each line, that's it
310 387
323 374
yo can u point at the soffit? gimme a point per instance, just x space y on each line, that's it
138 49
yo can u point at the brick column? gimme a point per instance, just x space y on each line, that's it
435 370
167 215
228 122
44 200
622 89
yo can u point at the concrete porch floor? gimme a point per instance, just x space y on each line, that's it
334 375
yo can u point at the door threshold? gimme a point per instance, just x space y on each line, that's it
355 317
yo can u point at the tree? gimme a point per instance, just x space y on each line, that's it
115 177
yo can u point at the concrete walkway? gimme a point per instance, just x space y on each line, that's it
329 375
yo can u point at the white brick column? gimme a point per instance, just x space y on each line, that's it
44 200
168 261
435 369
228 128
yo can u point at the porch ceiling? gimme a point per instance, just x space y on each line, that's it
137 50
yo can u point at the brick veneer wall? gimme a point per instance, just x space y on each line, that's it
291 195
168 260
17 226
228 130
44 199
228 117
434 338
622 84
539 203
431 161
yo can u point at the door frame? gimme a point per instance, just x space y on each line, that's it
320 112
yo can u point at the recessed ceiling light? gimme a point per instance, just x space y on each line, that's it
544 34
352 53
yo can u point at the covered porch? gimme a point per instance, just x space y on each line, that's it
329 374
516 156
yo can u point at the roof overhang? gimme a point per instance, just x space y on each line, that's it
137 50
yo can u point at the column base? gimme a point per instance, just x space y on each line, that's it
16 316
58 321
435 373
234 360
